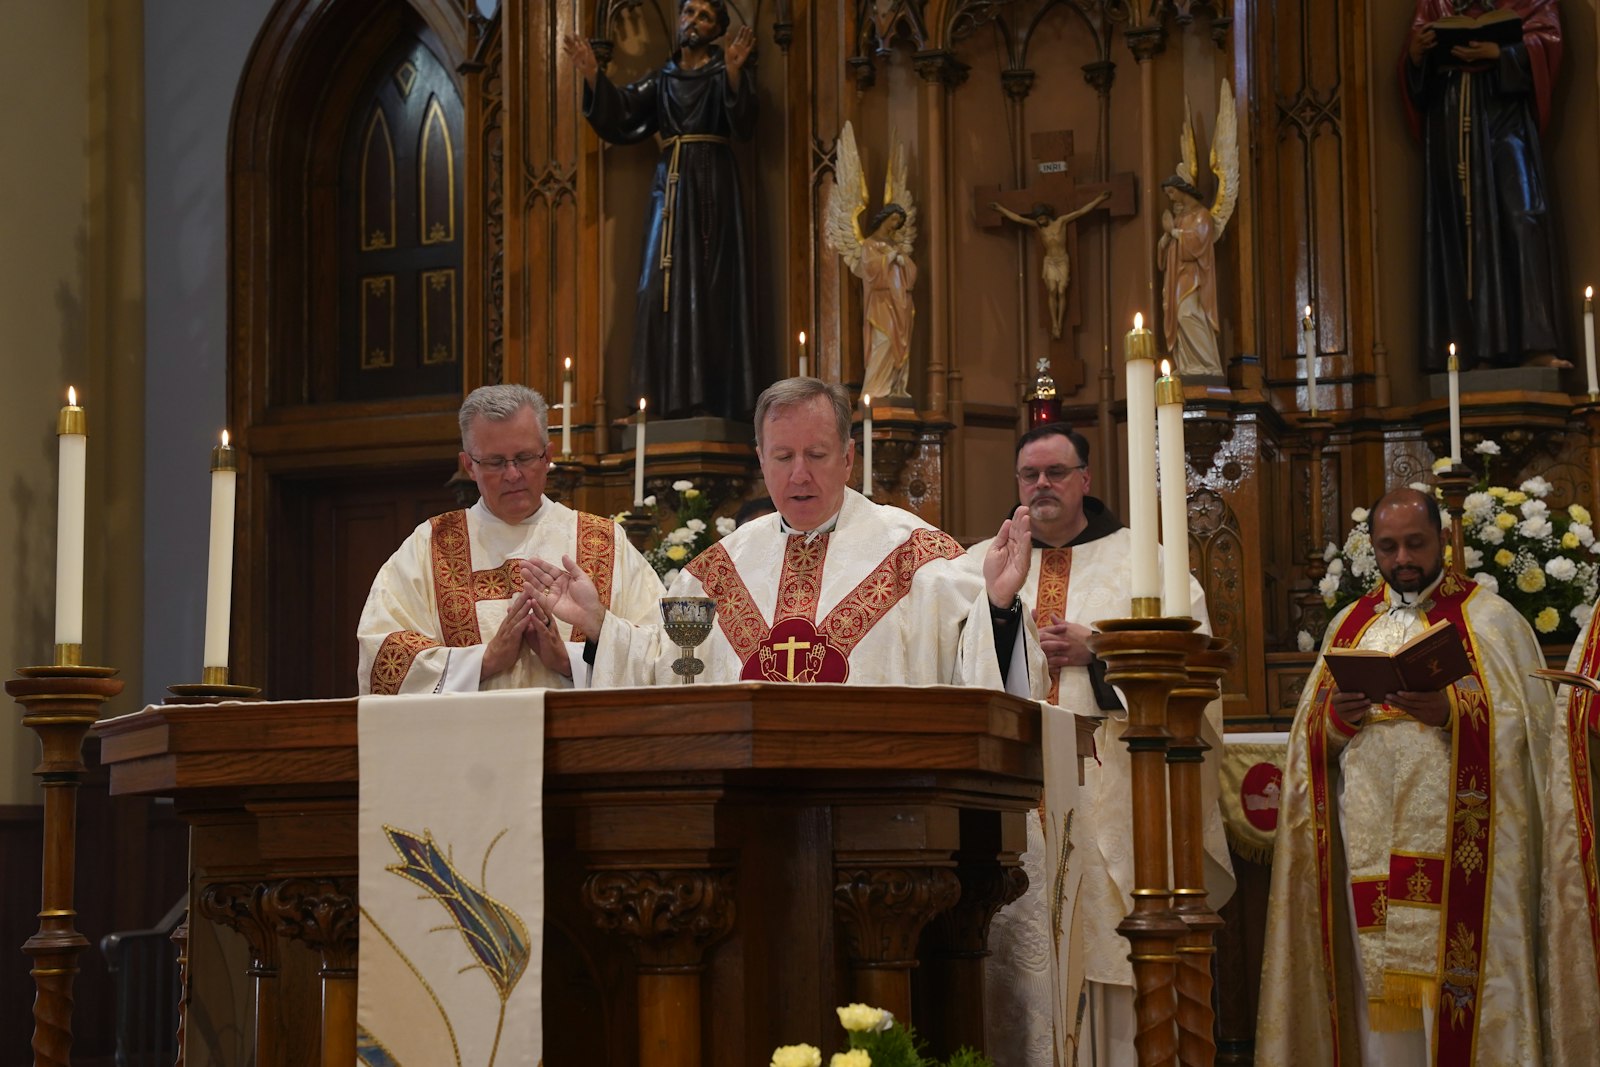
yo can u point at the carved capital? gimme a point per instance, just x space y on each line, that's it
1100 75
1017 83
1219 30
321 912
669 917
883 910
783 34
963 929
1147 42
940 66
238 906
864 71
603 48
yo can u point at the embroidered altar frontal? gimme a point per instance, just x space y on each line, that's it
452 877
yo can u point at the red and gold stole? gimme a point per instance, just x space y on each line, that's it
1050 599
795 647
458 588
1582 709
1463 895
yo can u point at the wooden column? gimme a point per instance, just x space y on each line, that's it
322 913
1146 657
959 944
1146 43
670 918
59 704
882 910
238 906
1185 764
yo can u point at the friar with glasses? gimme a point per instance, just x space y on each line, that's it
832 587
1080 573
448 613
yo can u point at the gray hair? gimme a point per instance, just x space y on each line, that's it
497 403
790 392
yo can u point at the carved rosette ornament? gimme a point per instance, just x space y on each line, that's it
322 913
669 917
963 929
884 909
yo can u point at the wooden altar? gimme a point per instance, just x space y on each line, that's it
724 864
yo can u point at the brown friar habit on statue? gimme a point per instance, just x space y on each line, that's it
1489 271
693 343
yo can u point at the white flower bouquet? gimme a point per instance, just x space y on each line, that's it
1546 562
876 1040
693 535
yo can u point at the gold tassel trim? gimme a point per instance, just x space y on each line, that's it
1249 847
1400 1007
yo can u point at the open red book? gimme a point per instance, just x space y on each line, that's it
1426 663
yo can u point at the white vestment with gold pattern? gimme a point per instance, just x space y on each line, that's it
882 599
446 590
1084 584
1375 893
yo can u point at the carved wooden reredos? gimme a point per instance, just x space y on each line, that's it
516 239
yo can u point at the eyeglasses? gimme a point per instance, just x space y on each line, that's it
524 461
1054 475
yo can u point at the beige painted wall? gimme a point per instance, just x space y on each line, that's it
70 188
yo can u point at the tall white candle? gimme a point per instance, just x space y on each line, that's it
1140 350
1455 408
72 435
219 577
1308 340
638 459
1588 339
566 409
1175 602
805 367
866 445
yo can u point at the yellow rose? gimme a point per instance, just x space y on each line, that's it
1579 513
1499 491
1547 620
797 1056
1569 540
1505 520
1515 498
856 1057
1531 580
1449 552
1504 557
861 1018
676 553
690 494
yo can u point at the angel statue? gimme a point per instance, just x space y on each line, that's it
881 258
1191 229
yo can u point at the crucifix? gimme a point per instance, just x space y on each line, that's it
1051 204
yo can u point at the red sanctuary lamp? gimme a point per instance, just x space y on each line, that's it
1043 406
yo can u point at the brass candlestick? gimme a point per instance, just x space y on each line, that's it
59 704
1146 657
1185 767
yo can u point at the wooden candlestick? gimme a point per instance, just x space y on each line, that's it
1185 767
1590 414
1456 482
1146 657
59 704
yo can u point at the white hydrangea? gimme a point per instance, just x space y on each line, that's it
695 526
1358 515
1330 552
1561 569
650 501
1329 586
1360 568
1537 486
681 536
1487 580
668 578
1304 641
1531 508
1536 527
1583 532
1445 520
1477 507
725 525
681 484
1490 534
1474 558
1336 567
1486 447
1581 613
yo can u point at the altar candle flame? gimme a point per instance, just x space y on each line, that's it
1138 320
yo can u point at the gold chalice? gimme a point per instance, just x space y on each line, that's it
688 622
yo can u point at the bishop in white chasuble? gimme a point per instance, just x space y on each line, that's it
447 614
1404 918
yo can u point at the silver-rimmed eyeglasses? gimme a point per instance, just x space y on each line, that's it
523 461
